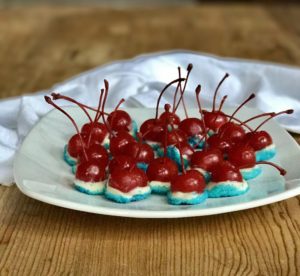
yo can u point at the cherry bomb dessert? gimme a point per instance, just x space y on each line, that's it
210 155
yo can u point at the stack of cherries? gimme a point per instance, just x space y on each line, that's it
211 155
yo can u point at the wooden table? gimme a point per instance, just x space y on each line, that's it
40 46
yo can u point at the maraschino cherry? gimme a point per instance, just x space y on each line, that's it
187 188
127 185
121 162
161 171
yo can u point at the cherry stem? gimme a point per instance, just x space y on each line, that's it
198 90
252 96
118 105
217 89
289 111
98 112
106 84
49 101
182 90
281 170
222 102
54 96
57 96
114 113
258 116
163 91
177 89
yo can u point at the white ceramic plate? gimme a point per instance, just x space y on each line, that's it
41 173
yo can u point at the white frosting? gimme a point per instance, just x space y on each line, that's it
182 195
200 170
160 184
242 186
91 186
135 191
270 147
249 169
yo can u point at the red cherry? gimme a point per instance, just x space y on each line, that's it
214 119
140 152
121 162
192 126
186 150
127 180
169 117
152 130
119 120
90 171
225 171
242 156
191 181
259 139
207 159
99 131
215 142
75 146
96 152
162 169
175 136
119 141
232 132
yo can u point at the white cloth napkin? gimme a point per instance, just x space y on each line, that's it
140 80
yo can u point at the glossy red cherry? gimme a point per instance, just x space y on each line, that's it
259 140
225 171
207 159
242 156
75 146
216 142
127 180
175 136
119 141
152 130
90 171
141 152
169 117
192 126
98 131
188 182
119 120
121 162
232 132
96 152
214 119
162 169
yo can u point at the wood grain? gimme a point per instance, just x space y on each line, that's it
40 46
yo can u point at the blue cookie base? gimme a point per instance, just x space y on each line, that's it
74 169
121 199
174 154
181 201
159 190
143 166
255 172
265 154
69 160
193 141
225 190
88 192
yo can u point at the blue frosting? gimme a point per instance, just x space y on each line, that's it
182 201
122 199
265 154
134 130
160 190
174 154
143 166
74 169
254 172
195 140
207 176
87 191
225 189
70 161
